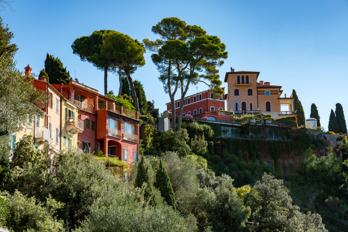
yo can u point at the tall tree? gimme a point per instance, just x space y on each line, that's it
298 109
89 48
126 54
185 56
162 182
341 121
125 89
56 71
142 178
17 93
7 49
333 125
141 96
315 114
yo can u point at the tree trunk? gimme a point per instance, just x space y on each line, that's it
182 99
172 100
121 82
105 80
134 94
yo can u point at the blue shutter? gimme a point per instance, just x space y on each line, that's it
135 157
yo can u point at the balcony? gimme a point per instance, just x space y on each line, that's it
241 85
84 106
42 134
73 126
114 132
282 113
130 137
129 113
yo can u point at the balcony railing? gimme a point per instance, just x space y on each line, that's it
114 132
42 134
129 113
84 106
130 137
73 126
286 113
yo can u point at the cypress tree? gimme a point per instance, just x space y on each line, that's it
341 121
141 97
143 177
298 109
55 70
44 73
315 113
333 125
162 182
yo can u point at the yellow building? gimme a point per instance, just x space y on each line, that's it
247 95
71 126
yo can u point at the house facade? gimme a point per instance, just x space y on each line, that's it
247 95
199 104
106 126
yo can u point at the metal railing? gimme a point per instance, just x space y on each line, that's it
130 137
42 133
114 132
84 106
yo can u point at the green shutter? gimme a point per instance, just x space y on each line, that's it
13 142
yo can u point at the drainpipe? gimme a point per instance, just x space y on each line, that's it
61 119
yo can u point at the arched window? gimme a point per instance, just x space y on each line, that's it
211 118
244 107
250 92
242 79
236 92
251 106
236 108
247 79
268 106
238 79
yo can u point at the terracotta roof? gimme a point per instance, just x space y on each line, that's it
242 72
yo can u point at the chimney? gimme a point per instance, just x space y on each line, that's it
261 82
232 69
28 70
43 78
267 83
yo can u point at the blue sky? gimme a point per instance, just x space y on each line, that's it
301 45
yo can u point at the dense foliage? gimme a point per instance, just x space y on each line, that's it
315 114
341 121
333 124
55 70
298 109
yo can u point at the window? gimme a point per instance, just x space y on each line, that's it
125 156
200 111
236 92
57 136
135 157
64 140
243 107
189 112
194 112
220 108
184 102
194 99
188 100
68 94
212 108
88 123
212 95
242 79
183 114
128 128
86 146
247 79
200 97
112 127
236 107
178 104
251 106
57 105
250 92
93 125
267 93
38 120
50 129
69 144
268 106
50 101
112 151
238 79
70 115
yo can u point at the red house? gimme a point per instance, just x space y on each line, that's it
200 104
